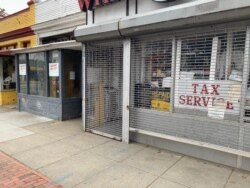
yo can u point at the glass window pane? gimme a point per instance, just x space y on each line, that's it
9 77
22 73
37 74
54 62
72 74
196 57
151 74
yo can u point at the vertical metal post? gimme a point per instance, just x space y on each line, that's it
17 74
173 69
213 59
243 94
126 89
229 54
245 76
177 69
127 7
61 81
61 75
46 53
84 86
17 82
136 6
27 73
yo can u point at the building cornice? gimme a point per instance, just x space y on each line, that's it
51 46
71 21
186 15
24 32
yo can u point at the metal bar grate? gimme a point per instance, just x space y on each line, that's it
104 87
204 103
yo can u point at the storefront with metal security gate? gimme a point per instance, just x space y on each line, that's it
103 88
190 85
184 88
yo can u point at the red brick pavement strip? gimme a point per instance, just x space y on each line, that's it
14 174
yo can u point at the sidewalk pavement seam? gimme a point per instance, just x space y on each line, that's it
81 148
39 146
229 177
29 148
72 155
119 161
160 176
99 172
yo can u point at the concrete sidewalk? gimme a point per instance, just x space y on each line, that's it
71 158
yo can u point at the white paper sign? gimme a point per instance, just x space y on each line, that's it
72 75
22 69
53 69
217 97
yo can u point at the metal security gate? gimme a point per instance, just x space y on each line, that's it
151 71
190 85
104 61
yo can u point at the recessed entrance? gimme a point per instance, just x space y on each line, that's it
104 61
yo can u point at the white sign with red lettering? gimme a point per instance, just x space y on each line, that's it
216 97
22 69
54 69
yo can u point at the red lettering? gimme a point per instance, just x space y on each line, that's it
195 87
91 4
101 2
182 99
86 5
97 3
204 89
189 100
197 101
230 105
106 1
215 89
205 100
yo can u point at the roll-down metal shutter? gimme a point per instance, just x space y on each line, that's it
190 86
104 61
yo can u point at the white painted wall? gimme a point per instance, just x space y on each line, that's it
110 12
149 5
118 9
54 9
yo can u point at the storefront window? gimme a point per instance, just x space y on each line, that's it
72 74
9 78
37 74
209 75
196 57
151 74
22 73
54 63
